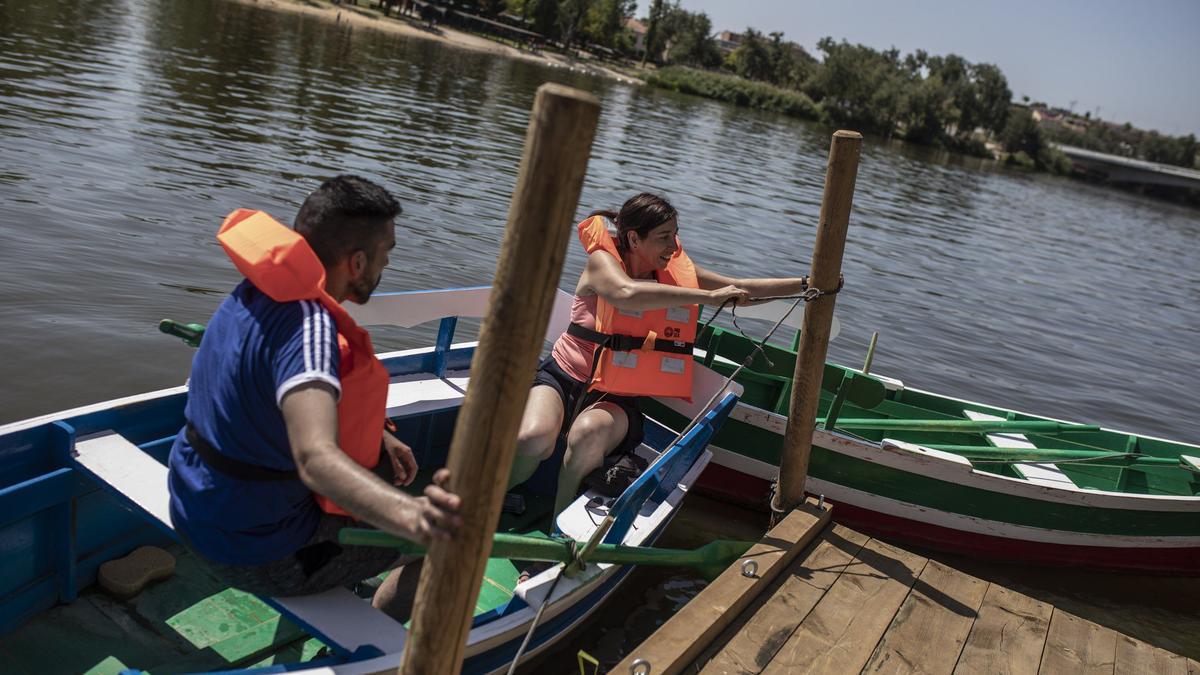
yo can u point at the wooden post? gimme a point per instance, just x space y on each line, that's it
818 316
540 215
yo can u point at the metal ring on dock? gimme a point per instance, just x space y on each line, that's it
639 667
750 568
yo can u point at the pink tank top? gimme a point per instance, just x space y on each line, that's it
572 354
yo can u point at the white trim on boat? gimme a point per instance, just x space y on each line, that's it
94 407
964 523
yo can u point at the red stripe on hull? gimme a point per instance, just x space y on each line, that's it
739 488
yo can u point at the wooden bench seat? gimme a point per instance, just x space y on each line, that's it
1042 473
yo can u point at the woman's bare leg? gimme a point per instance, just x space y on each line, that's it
595 433
539 430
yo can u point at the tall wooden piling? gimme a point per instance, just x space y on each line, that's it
818 316
557 145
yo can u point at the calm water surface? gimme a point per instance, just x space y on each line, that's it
129 128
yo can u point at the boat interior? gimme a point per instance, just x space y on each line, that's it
70 500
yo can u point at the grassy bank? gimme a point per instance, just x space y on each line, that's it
735 90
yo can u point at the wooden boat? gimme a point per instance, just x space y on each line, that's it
88 485
961 476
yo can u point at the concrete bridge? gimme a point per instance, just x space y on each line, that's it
1132 171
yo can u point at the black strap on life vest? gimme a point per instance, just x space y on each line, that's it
234 468
627 343
617 343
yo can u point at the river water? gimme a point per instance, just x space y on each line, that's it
129 128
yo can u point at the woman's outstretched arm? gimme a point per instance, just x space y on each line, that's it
757 288
603 276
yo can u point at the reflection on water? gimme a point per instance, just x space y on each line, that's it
128 128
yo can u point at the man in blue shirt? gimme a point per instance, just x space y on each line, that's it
262 432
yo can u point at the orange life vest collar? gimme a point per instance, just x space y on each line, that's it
280 263
641 353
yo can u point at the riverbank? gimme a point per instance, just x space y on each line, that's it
367 17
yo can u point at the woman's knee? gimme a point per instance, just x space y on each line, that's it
536 438
540 424
591 438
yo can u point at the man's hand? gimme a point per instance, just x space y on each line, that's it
403 462
434 517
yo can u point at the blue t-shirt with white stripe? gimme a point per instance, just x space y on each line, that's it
254 351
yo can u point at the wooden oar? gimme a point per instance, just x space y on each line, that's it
710 559
969 426
991 455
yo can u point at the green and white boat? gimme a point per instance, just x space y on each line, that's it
957 475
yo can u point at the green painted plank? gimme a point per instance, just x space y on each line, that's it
109 666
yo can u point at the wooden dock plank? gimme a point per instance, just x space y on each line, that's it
1074 645
1193 667
840 633
932 625
776 618
1008 636
1135 657
680 640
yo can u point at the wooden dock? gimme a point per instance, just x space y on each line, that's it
828 599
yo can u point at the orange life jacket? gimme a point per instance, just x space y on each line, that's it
280 263
641 353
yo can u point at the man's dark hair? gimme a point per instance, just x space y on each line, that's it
343 215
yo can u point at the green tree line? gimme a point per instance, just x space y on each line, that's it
928 99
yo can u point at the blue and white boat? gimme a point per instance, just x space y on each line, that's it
88 485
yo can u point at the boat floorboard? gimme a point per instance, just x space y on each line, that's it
194 622
191 621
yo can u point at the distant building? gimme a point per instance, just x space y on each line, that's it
1057 118
728 41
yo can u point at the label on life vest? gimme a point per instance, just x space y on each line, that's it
624 359
672 365
679 314
630 312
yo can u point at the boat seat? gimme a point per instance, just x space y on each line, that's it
337 616
1041 473
422 393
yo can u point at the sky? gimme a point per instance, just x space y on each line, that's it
1125 61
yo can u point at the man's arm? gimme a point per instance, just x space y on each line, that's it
310 413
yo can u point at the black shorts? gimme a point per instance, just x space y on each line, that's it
569 390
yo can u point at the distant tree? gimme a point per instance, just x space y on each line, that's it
571 14
923 110
605 19
993 95
1179 151
859 86
790 64
1021 134
688 37
651 41
542 14
752 58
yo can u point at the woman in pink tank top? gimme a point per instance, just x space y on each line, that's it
594 423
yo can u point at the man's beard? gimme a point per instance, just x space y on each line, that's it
361 289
